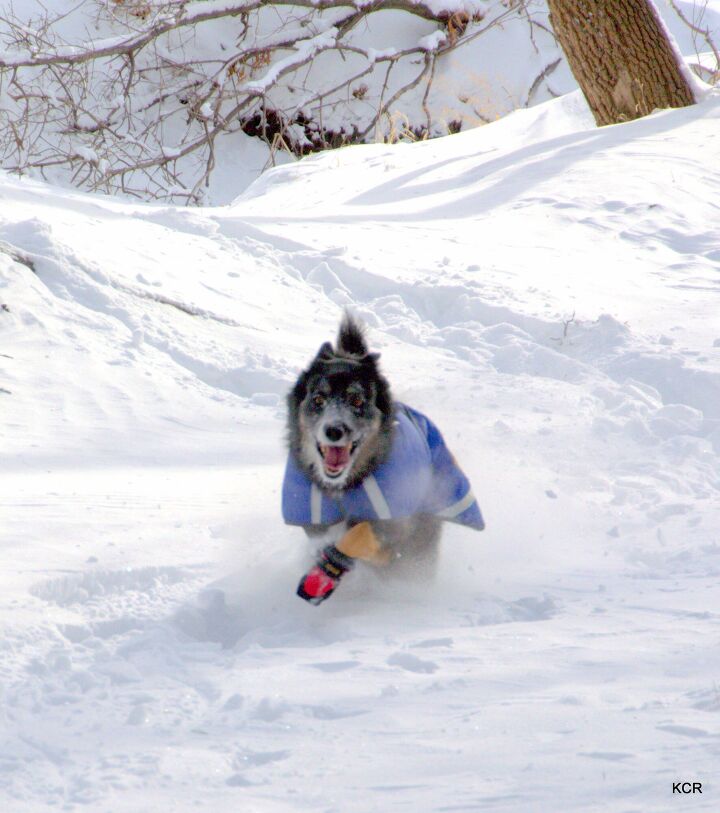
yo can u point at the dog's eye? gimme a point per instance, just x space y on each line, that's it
356 401
318 400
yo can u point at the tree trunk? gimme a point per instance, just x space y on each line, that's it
621 56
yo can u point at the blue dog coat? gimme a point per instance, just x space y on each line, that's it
420 476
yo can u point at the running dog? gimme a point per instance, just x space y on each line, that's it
368 477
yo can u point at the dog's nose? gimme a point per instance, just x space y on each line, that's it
334 432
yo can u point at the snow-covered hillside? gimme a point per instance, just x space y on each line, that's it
196 113
549 294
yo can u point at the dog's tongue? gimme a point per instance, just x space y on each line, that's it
337 456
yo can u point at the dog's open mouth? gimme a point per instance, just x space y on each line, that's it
336 458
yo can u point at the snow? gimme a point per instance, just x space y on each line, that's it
548 293
697 86
373 55
86 153
433 41
304 51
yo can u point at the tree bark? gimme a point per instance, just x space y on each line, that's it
620 54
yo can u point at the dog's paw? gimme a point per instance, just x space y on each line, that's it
321 580
316 586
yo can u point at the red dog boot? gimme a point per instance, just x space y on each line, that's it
321 580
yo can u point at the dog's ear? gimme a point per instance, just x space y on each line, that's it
299 391
351 337
297 394
325 352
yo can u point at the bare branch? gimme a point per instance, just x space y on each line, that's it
71 55
702 32
141 112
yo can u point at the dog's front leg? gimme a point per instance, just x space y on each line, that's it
362 542
359 542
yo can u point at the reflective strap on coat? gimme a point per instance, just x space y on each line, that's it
377 498
315 505
457 508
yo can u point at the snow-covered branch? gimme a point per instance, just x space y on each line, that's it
186 16
141 108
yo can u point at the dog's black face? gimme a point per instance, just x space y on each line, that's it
340 413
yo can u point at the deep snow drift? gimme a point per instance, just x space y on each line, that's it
548 293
